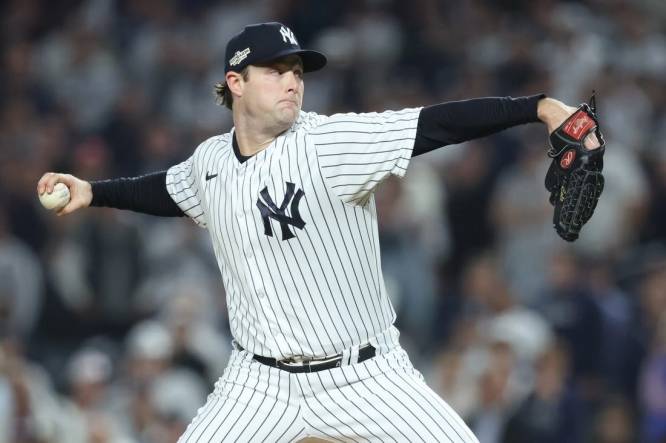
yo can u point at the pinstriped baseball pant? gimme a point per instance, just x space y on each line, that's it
380 399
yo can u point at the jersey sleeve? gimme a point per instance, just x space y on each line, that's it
182 183
356 152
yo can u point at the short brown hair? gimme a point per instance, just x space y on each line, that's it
223 95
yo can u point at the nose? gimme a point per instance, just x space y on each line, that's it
293 81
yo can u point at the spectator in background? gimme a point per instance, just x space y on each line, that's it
568 305
573 41
497 394
153 398
499 315
198 345
21 285
486 369
469 179
97 263
6 410
16 77
614 423
523 219
654 226
21 149
89 417
32 414
409 270
456 369
616 309
89 372
95 270
159 146
552 412
81 73
123 130
423 199
652 388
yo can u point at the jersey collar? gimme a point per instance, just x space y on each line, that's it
241 158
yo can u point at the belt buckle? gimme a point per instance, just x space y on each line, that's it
298 362
293 363
296 359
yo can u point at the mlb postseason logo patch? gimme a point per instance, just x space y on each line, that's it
239 56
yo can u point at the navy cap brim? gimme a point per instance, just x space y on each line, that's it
312 60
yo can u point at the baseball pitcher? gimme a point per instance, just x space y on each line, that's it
287 197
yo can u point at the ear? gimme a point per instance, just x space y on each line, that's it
235 83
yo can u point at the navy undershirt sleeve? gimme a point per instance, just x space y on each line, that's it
455 122
146 194
439 125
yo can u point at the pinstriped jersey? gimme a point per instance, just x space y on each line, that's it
294 229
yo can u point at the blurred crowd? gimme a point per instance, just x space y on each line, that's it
113 325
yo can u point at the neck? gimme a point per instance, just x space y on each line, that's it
253 136
249 143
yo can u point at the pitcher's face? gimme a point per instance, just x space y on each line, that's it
274 91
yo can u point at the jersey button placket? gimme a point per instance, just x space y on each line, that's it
238 210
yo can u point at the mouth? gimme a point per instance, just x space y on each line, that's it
292 102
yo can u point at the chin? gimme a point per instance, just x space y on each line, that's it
289 116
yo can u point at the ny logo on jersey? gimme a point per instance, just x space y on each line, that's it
288 35
269 209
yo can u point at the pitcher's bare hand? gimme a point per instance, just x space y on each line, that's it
80 190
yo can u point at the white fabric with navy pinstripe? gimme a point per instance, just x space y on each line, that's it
294 230
383 399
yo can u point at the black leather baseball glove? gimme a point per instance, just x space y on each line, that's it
574 178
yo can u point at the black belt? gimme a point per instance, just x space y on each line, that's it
365 353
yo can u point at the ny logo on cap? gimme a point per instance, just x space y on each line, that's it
287 34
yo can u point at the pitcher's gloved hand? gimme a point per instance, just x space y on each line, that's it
574 178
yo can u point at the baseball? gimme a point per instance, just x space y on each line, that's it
56 199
